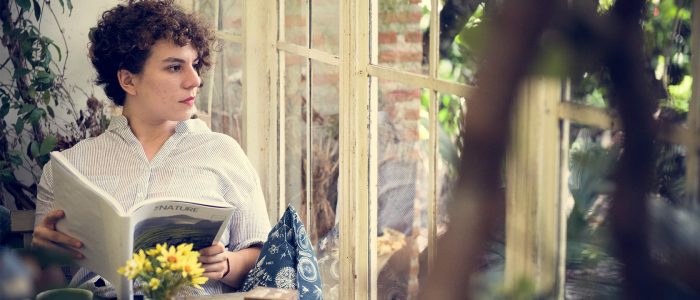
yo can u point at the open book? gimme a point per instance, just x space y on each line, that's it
110 234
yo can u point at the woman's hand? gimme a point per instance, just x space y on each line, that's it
47 237
214 261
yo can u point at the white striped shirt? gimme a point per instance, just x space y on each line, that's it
193 163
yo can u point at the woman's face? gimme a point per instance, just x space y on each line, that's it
167 86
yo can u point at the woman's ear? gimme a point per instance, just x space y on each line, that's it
126 81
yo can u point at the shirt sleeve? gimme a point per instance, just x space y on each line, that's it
250 223
44 197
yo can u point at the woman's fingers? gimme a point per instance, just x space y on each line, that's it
50 246
52 218
48 234
212 250
212 259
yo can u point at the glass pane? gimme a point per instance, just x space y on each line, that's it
296 95
231 16
592 271
207 10
460 25
325 25
323 229
402 191
296 22
228 92
401 28
450 113
667 30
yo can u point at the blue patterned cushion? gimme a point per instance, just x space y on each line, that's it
287 260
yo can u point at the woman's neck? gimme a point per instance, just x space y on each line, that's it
151 134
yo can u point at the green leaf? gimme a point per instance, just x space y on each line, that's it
63 6
34 149
50 111
26 44
4 110
15 157
27 107
46 97
6 175
36 115
44 77
60 56
19 126
70 7
20 73
37 10
24 4
48 144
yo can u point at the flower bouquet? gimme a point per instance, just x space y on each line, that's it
164 270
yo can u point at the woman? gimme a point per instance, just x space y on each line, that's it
148 56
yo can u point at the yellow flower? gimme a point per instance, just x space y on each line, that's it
198 281
165 269
154 284
185 249
133 266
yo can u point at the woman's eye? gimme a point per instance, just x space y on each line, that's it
175 68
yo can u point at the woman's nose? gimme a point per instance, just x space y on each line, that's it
193 80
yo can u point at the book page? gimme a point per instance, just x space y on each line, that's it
91 218
179 221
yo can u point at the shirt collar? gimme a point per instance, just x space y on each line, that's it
191 125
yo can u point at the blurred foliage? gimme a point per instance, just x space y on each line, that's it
666 27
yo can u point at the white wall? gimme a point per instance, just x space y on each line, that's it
79 70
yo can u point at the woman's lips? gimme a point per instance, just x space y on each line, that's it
189 101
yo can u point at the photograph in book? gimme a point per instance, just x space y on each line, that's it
175 230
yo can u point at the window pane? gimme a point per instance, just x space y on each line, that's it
325 27
227 99
323 229
450 110
402 191
296 95
296 20
667 29
592 271
460 25
401 27
207 10
231 16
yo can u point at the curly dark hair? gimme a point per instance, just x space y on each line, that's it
125 34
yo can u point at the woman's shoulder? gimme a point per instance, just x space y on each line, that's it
220 141
87 146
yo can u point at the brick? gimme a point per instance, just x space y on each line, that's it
388 56
400 95
400 17
295 21
318 40
410 134
387 37
410 56
325 79
412 114
294 60
413 37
